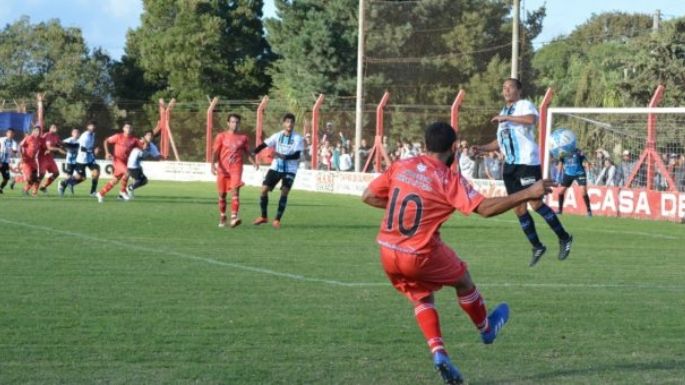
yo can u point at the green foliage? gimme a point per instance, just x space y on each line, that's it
316 45
54 60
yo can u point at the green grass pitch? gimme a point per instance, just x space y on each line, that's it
152 292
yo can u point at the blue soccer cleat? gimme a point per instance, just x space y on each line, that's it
450 374
496 319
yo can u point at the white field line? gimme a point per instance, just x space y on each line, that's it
298 277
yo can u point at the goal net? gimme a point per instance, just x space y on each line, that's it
626 147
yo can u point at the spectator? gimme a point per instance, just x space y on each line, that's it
493 166
335 159
363 152
406 151
625 168
679 173
607 176
466 162
325 156
345 160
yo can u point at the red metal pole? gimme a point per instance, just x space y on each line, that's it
651 135
259 126
454 112
210 127
542 124
164 133
379 128
315 131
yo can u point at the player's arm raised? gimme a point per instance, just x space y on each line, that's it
494 206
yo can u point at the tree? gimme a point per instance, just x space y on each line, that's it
316 46
54 60
189 49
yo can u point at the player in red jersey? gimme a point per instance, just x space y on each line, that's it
46 162
227 165
124 142
419 194
29 147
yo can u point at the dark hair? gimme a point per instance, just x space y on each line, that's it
88 123
234 115
439 137
516 82
10 129
149 132
288 115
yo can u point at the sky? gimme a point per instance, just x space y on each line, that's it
104 23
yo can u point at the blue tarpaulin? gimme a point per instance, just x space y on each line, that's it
16 120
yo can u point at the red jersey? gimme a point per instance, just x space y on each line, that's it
53 140
123 145
230 148
422 193
30 147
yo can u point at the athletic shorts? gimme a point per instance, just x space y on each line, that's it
418 276
120 168
518 177
29 171
273 177
568 180
5 170
226 182
69 168
136 173
80 168
48 166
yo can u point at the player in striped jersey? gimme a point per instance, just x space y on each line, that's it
8 149
85 158
516 140
71 147
288 146
135 170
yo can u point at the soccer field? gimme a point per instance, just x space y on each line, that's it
153 292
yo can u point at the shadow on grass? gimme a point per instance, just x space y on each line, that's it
549 377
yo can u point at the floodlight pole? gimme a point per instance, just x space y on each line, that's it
515 41
359 109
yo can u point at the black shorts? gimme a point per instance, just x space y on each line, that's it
69 168
273 177
80 168
5 170
568 180
136 173
518 177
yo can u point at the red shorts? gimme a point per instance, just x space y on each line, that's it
418 276
48 166
120 168
28 170
226 182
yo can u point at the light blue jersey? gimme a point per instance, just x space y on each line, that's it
8 148
286 145
573 164
71 146
86 150
517 141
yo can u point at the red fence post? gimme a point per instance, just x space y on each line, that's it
164 133
542 124
315 131
210 127
264 155
454 111
651 135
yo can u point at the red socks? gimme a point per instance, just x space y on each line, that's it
472 303
222 206
235 206
429 323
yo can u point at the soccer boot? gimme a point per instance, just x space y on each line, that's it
538 252
222 221
565 247
276 224
130 192
71 188
450 374
124 196
260 221
43 189
235 222
1 191
61 186
496 321
99 197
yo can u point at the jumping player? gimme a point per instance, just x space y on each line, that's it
135 169
8 149
227 165
46 161
124 142
516 140
573 166
419 194
288 146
